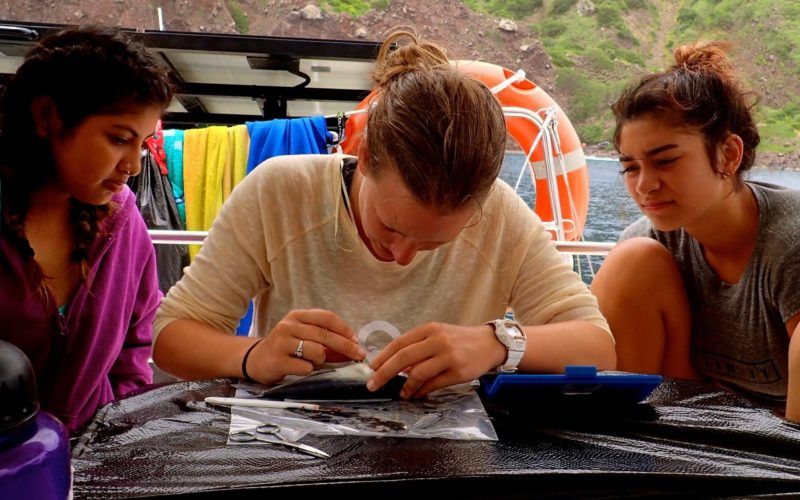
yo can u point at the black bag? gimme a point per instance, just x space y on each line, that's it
157 205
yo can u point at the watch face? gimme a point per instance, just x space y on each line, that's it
514 329
510 324
517 345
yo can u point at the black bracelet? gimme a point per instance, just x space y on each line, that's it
244 360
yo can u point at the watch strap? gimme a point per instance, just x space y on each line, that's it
510 334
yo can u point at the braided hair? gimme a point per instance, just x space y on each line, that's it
85 72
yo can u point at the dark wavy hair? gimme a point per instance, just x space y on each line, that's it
700 90
85 71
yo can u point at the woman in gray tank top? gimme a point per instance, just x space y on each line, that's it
704 285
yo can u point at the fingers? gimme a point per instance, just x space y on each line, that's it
322 332
322 327
433 356
298 366
312 352
395 346
321 336
334 357
273 358
400 358
328 320
425 375
444 379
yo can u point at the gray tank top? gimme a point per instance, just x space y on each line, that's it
739 334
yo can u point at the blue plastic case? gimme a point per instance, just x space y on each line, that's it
578 384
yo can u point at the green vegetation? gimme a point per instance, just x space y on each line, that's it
515 9
559 7
636 4
774 25
355 8
589 109
597 51
594 55
780 128
239 16
766 38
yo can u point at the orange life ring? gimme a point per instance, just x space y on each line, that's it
573 192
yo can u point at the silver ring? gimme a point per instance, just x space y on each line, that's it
298 353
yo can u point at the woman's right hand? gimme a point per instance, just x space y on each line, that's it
322 334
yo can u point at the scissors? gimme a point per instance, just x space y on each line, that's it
261 432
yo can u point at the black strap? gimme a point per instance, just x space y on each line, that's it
349 166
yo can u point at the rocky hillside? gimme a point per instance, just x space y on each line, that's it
597 46
581 51
469 34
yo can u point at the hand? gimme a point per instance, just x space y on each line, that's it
437 355
793 390
323 333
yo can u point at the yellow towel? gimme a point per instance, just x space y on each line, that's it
194 167
205 159
239 147
216 163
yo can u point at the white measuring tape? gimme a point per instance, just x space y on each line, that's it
370 337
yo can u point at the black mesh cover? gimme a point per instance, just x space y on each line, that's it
689 438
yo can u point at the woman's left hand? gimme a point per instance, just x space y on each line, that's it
437 355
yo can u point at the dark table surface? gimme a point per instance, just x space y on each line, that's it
687 438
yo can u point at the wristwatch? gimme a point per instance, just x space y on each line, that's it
511 335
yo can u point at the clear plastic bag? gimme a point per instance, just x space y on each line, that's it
452 413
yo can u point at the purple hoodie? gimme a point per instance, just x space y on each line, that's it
98 351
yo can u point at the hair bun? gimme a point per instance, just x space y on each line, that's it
415 55
708 57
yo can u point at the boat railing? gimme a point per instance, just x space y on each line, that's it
179 237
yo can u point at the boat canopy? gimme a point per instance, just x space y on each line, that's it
229 78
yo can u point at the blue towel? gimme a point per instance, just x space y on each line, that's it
173 147
294 136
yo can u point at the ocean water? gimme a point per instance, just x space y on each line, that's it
610 208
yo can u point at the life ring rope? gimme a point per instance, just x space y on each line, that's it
516 77
571 162
546 127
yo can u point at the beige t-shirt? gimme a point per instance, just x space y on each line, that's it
285 238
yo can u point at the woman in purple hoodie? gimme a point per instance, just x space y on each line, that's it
78 286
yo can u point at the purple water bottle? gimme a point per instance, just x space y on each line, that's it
34 446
